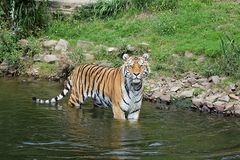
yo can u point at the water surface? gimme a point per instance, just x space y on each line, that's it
37 132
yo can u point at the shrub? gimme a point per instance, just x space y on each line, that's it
8 47
25 17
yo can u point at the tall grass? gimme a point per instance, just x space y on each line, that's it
25 17
230 58
111 8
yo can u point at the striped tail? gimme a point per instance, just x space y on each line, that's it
54 100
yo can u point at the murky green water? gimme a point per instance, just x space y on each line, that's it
36 132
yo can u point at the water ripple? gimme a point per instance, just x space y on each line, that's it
57 143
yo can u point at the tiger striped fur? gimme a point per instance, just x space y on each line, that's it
120 88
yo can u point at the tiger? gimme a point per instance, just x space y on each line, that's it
119 88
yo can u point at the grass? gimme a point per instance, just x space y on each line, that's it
170 28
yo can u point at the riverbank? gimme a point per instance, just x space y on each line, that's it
193 45
212 94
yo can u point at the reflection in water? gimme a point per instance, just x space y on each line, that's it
30 131
110 137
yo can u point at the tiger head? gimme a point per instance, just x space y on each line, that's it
136 68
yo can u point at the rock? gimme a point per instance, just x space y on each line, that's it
37 57
214 79
160 95
192 80
62 46
112 49
175 88
49 43
89 57
49 58
224 98
131 48
205 109
208 104
4 66
220 108
186 94
197 101
212 98
237 108
231 87
219 103
165 98
84 45
233 96
196 85
229 106
23 43
188 54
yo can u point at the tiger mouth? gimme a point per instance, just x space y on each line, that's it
136 81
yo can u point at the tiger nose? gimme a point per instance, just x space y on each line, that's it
136 73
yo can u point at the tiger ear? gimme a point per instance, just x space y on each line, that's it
125 57
146 56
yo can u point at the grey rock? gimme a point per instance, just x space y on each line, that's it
212 98
197 101
186 94
224 98
165 98
214 79
233 96
37 58
237 108
4 66
229 106
50 58
175 88
231 87
208 104
112 49
49 43
219 103
130 48
192 80
62 46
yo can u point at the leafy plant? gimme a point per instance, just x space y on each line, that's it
197 91
9 50
25 17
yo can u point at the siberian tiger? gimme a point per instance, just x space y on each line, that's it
120 88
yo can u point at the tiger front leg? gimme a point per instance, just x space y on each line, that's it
133 116
118 113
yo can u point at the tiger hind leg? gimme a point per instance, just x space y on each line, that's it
74 101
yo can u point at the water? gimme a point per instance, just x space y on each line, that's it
36 132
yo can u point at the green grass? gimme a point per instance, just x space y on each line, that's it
194 26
